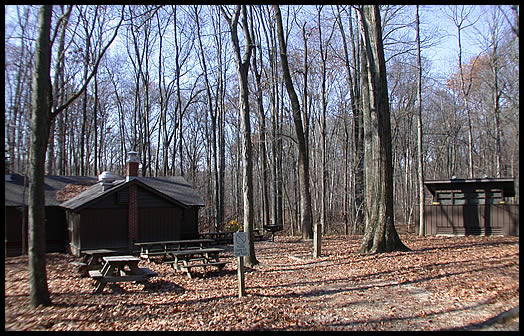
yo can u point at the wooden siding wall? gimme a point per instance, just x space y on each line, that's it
155 224
55 226
13 217
100 228
481 219
190 227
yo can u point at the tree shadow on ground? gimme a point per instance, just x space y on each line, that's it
367 277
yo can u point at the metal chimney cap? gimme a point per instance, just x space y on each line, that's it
107 176
132 156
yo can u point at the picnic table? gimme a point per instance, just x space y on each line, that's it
91 260
223 237
226 237
162 248
119 269
273 228
186 259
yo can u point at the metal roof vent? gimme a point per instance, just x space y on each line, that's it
107 178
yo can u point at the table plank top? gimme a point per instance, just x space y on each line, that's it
97 251
195 251
120 258
185 241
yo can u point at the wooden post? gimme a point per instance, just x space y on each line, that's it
317 232
241 283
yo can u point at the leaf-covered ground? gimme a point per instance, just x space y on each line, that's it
443 283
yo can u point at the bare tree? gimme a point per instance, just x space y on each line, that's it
262 116
459 15
380 234
243 63
212 110
318 228
303 161
358 132
420 157
42 116
39 135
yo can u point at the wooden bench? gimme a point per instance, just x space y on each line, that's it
186 259
187 268
97 275
147 255
163 248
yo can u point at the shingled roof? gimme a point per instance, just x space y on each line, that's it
70 191
174 188
507 184
14 188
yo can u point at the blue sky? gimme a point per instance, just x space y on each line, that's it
445 55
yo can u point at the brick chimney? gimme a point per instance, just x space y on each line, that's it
131 165
131 173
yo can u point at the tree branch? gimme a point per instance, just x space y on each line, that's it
59 109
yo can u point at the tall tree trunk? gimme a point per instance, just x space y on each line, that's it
41 117
95 126
83 143
496 95
220 110
276 121
459 19
317 231
41 99
420 157
262 116
212 112
380 234
303 161
58 98
243 63
358 131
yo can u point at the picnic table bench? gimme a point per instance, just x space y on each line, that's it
184 260
223 237
119 269
226 237
162 248
273 228
92 260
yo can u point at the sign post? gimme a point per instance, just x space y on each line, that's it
241 247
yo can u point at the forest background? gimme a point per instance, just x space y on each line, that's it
167 88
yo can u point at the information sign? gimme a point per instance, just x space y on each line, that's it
241 244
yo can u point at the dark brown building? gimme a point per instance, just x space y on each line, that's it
112 212
56 189
471 207
115 213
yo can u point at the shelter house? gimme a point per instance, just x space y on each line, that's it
471 207
56 190
115 212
